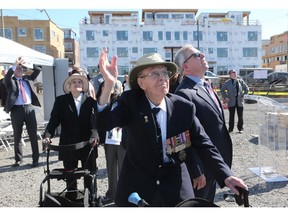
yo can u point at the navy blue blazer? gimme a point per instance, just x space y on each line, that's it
141 172
208 113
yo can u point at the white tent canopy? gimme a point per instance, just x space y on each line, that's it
10 51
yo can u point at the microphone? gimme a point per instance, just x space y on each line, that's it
136 200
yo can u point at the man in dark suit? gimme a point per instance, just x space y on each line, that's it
157 144
19 101
192 65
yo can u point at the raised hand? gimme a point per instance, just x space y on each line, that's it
109 73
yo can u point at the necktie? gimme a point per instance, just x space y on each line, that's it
211 93
22 91
155 111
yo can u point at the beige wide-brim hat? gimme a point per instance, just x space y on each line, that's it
67 82
145 61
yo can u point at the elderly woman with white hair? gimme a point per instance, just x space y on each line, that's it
74 111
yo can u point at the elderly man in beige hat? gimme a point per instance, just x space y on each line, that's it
163 132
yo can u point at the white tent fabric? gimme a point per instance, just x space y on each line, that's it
11 50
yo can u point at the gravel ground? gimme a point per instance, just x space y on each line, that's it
20 186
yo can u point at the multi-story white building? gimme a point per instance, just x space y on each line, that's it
229 40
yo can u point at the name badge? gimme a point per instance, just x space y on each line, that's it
178 143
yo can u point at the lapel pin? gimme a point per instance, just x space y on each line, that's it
146 119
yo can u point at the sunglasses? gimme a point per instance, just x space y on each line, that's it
194 55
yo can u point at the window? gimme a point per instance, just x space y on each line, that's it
197 37
222 52
160 35
149 50
92 52
40 48
147 35
105 33
134 49
22 32
222 70
68 46
252 36
222 36
162 16
38 34
107 19
92 69
189 16
122 35
122 52
177 16
90 35
185 35
177 35
8 33
123 69
210 50
250 52
168 35
53 34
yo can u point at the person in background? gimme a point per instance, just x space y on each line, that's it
113 147
19 102
192 65
233 91
3 92
74 112
174 81
126 86
154 120
97 80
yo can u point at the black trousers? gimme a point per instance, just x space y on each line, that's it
232 117
21 114
88 162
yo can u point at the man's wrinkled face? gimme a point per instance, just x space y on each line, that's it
154 80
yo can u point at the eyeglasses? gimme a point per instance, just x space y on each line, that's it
157 74
194 55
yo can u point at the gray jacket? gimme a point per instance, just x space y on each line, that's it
228 91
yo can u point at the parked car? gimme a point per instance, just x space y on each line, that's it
214 79
277 78
209 75
272 78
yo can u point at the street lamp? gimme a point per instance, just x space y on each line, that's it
2 23
41 10
197 23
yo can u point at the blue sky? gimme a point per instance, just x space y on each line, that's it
273 18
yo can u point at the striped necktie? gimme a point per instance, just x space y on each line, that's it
22 89
212 94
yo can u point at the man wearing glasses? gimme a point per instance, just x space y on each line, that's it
19 101
163 133
192 65
233 91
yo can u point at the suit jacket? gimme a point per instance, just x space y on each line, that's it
141 172
12 88
227 91
74 128
211 118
